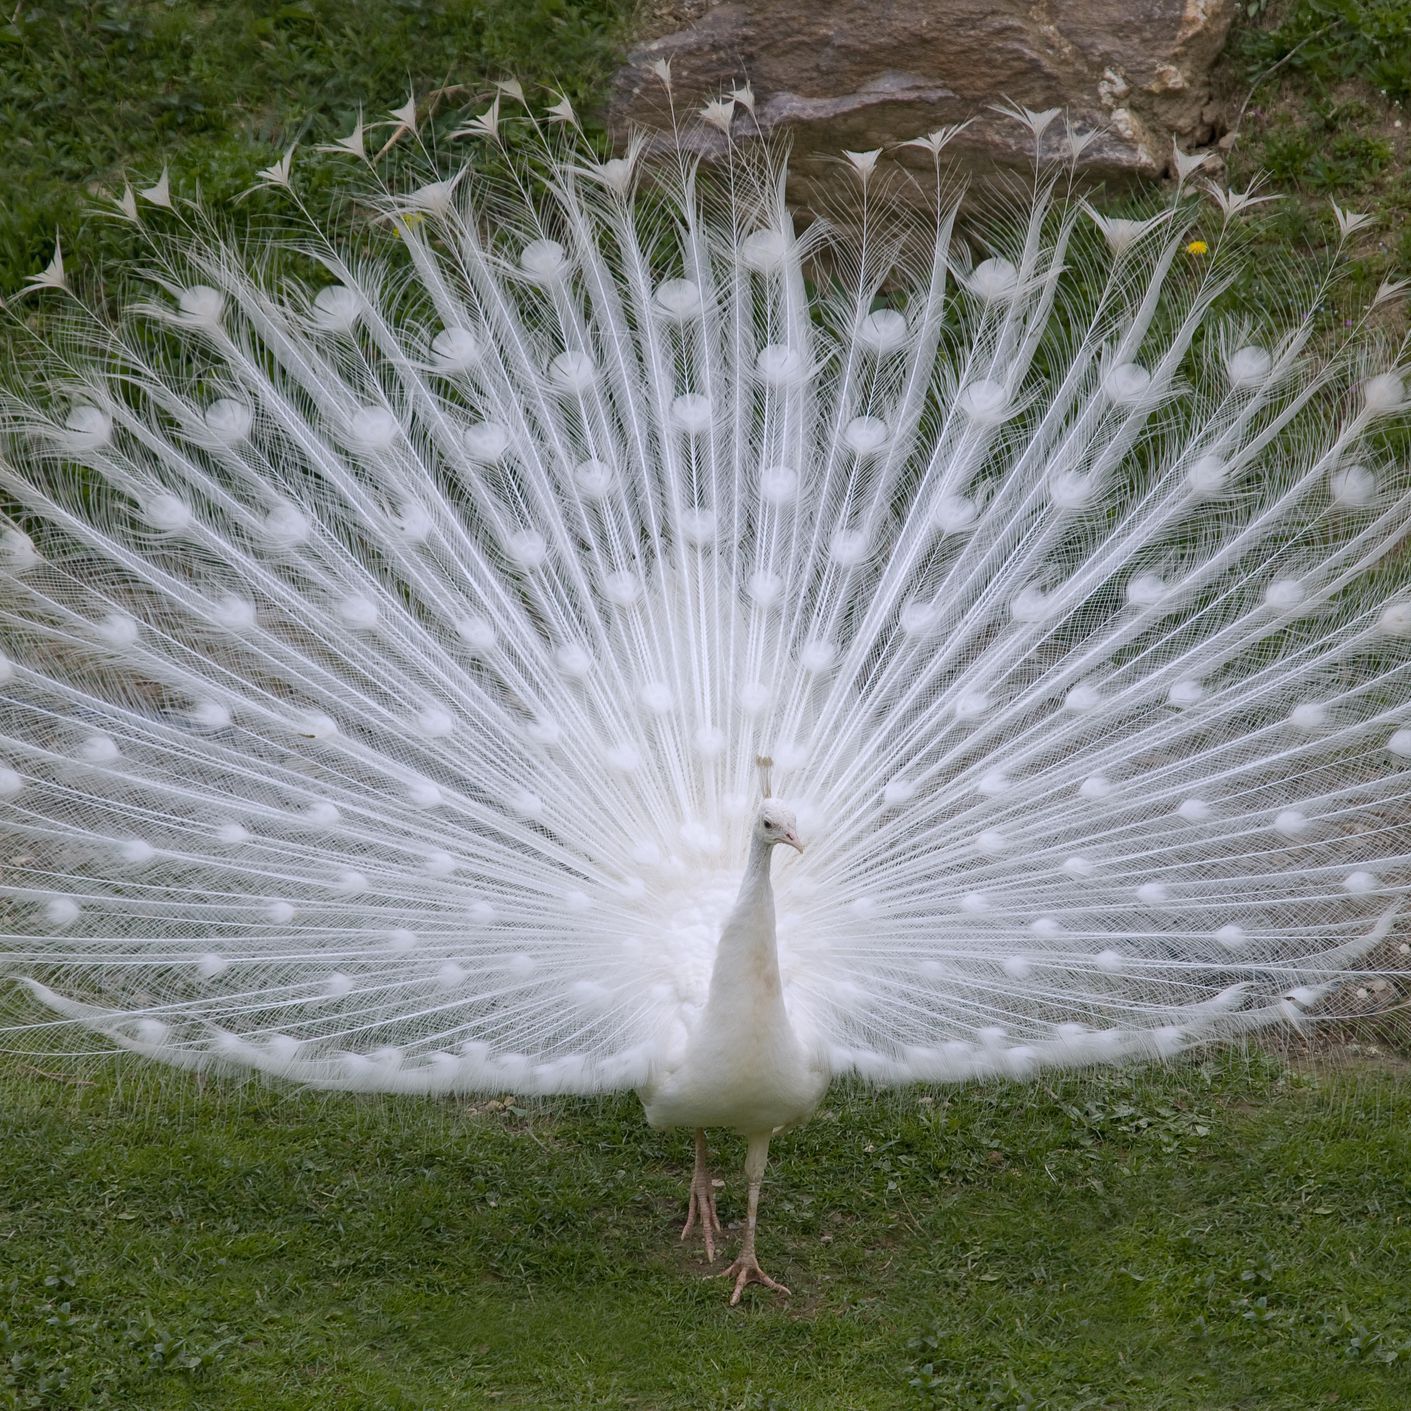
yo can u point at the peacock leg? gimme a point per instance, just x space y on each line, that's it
702 1204
745 1269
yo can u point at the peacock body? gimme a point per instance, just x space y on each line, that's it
390 634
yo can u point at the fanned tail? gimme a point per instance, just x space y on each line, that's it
392 645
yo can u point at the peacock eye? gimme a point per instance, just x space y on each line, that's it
767 823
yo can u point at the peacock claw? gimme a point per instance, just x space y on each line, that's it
746 1271
702 1209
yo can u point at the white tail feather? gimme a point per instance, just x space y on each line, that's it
385 671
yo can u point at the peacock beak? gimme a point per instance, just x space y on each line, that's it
793 840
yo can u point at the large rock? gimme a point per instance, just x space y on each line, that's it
859 74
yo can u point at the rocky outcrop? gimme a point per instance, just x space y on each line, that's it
859 74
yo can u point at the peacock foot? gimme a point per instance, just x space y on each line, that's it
745 1270
702 1210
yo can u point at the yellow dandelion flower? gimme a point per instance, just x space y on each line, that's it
1197 247
411 219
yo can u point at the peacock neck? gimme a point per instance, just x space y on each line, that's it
746 966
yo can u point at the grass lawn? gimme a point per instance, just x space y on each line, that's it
1217 1235
93 92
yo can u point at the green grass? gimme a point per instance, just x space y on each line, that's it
93 91
1320 89
1224 1235
1326 44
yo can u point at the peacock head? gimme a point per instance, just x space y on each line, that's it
777 824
